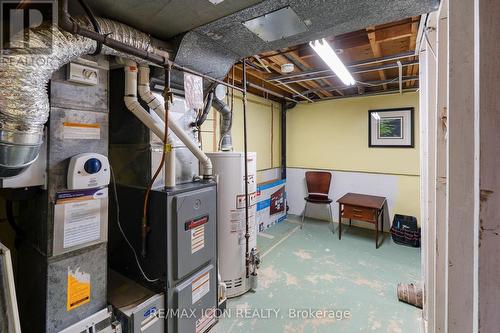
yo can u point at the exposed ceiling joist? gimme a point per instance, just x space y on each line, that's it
363 63
372 83
381 58
377 51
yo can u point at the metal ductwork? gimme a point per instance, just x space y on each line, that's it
215 99
206 109
226 140
25 73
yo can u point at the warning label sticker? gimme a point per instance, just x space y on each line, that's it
240 200
78 291
197 238
81 131
206 321
238 219
200 287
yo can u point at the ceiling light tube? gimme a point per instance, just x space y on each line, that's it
325 51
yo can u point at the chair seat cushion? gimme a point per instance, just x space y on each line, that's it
318 198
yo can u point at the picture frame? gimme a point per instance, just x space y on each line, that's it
391 128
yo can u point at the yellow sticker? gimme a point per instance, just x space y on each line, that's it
78 289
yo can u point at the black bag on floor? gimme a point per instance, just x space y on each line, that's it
405 230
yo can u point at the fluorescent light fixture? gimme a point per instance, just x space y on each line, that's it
325 51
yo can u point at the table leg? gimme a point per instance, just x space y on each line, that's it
382 222
376 231
350 222
340 221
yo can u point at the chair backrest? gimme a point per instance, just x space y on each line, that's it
318 182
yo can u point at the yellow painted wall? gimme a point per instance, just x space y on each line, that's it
263 117
334 135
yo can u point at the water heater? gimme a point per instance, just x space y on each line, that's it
230 170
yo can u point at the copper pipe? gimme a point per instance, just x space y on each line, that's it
167 94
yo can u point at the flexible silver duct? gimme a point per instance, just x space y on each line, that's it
24 75
226 141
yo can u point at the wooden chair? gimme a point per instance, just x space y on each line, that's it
318 189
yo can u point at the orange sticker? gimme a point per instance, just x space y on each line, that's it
81 131
69 124
78 289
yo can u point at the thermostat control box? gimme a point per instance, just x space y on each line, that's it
88 170
83 74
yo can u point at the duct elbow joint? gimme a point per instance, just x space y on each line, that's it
226 142
207 169
131 103
64 19
18 150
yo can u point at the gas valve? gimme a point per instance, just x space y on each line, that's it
255 258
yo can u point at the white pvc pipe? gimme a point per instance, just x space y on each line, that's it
159 109
170 169
154 104
133 105
157 127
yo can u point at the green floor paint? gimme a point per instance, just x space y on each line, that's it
277 232
311 269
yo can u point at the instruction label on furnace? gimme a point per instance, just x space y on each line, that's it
197 229
78 290
82 222
197 238
200 287
79 217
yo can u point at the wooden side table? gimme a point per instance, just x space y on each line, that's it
362 207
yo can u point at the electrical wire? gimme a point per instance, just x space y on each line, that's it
94 22
167 148
115 192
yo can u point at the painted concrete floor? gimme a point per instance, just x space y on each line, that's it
348 285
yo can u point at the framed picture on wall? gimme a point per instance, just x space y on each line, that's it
391 128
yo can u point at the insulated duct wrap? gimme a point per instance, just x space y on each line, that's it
24 75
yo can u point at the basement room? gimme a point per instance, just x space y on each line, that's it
225 166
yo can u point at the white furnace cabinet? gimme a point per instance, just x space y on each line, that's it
231 226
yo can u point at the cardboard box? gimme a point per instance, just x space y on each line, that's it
271 203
